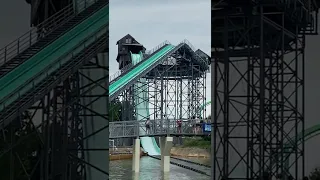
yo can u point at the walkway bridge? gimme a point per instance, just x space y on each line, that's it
168 127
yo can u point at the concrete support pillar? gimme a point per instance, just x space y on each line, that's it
165 148
136 156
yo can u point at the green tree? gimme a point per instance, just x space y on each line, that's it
24 156
115 111
315 174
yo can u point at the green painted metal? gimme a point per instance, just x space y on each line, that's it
45 57
309 133
155 145
139 69
202 107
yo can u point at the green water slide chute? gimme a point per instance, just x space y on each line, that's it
123 80
49 54
142 108
141 96
308 134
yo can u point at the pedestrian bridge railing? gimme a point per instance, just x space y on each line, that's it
158 127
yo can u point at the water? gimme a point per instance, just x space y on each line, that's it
205 161
150 169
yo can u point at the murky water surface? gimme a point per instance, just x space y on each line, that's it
150 169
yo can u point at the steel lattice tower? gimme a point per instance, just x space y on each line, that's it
258 73
50 136
175 88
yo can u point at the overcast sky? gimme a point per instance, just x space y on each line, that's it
151 22
14 20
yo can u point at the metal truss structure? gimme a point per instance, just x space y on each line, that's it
47 141
175 88
258 65
50 134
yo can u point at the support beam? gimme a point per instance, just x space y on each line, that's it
136 156
94 116
165 147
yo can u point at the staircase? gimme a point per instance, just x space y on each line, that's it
38 91
63 27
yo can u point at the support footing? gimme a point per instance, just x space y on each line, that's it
136 156
165 147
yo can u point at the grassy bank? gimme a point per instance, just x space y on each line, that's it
199 142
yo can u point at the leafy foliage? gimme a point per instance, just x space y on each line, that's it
197 142
24 154
315 174
115 111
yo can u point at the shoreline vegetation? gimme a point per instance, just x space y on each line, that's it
199 142
193 147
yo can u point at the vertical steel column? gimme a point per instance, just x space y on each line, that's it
295 103
53 135
213 117
262 115
225 156
162 90
282 157
65 124
12 159
303 104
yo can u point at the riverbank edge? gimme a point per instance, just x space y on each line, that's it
123 153
126 153
190 152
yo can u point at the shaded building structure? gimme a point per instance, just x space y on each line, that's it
126 46
258 55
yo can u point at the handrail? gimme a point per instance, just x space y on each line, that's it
118 73
46 70
149 52
129 66
31 37
194 50
136 128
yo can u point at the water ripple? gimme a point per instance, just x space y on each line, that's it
150 170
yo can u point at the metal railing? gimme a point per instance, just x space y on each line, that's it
199 58
35 34
46 72
129 66
150 52
118 73
158 127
